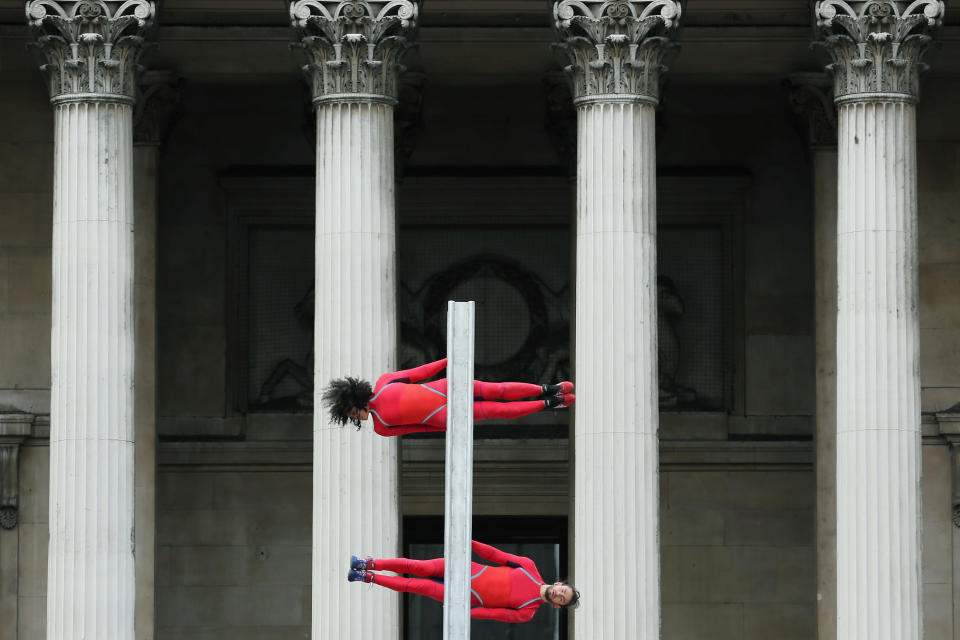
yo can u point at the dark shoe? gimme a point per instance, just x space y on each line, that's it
552 402
359 576
556 389
361 564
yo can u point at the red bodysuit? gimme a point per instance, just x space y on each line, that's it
508 593
400 406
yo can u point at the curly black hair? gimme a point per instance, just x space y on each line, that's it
345 394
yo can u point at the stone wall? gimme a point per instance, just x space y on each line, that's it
26 231
738 554
938 187
233 555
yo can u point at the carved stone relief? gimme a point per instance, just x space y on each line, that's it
15 428
9 489
811 96
157 105
541 351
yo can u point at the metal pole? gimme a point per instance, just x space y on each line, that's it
458 526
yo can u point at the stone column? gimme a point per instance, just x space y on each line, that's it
353 51
157 101
811 96
616 54
876 49
91 51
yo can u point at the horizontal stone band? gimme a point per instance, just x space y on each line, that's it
876 96
355 97
618 98
92 97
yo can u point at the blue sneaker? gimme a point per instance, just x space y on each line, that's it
361 564
358 576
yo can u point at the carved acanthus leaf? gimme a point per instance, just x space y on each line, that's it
877 46
353 48
91 48
615 48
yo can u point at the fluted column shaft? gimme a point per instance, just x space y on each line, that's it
352 53
616 495
91 552
616 54
90 53
356 500
878 383
876 50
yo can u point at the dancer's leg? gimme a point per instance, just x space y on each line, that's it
419 586
486 410
505 390
426 568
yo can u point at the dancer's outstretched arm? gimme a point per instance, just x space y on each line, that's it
503 615
416 374
493 554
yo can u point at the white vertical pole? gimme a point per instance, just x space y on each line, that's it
457 531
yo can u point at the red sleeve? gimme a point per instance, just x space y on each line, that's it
416 374
402 429
493 554
503 615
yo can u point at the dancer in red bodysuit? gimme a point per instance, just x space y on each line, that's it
509 593
399 405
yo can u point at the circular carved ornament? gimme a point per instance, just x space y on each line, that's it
880 11
89 10
354 10
513 282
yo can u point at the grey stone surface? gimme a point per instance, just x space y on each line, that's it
780 621
779 375
9 574
33 560
32 618
695 621
34 484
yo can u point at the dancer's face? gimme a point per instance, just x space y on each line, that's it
358 415
559 594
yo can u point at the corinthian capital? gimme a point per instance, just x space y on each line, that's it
91 48
616 48
876 46
353 47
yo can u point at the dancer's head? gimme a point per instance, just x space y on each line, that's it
347 399
561 594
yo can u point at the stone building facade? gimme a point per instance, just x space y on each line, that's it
741 247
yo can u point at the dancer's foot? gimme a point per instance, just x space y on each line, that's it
555 389
361 564
567 400
359 576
